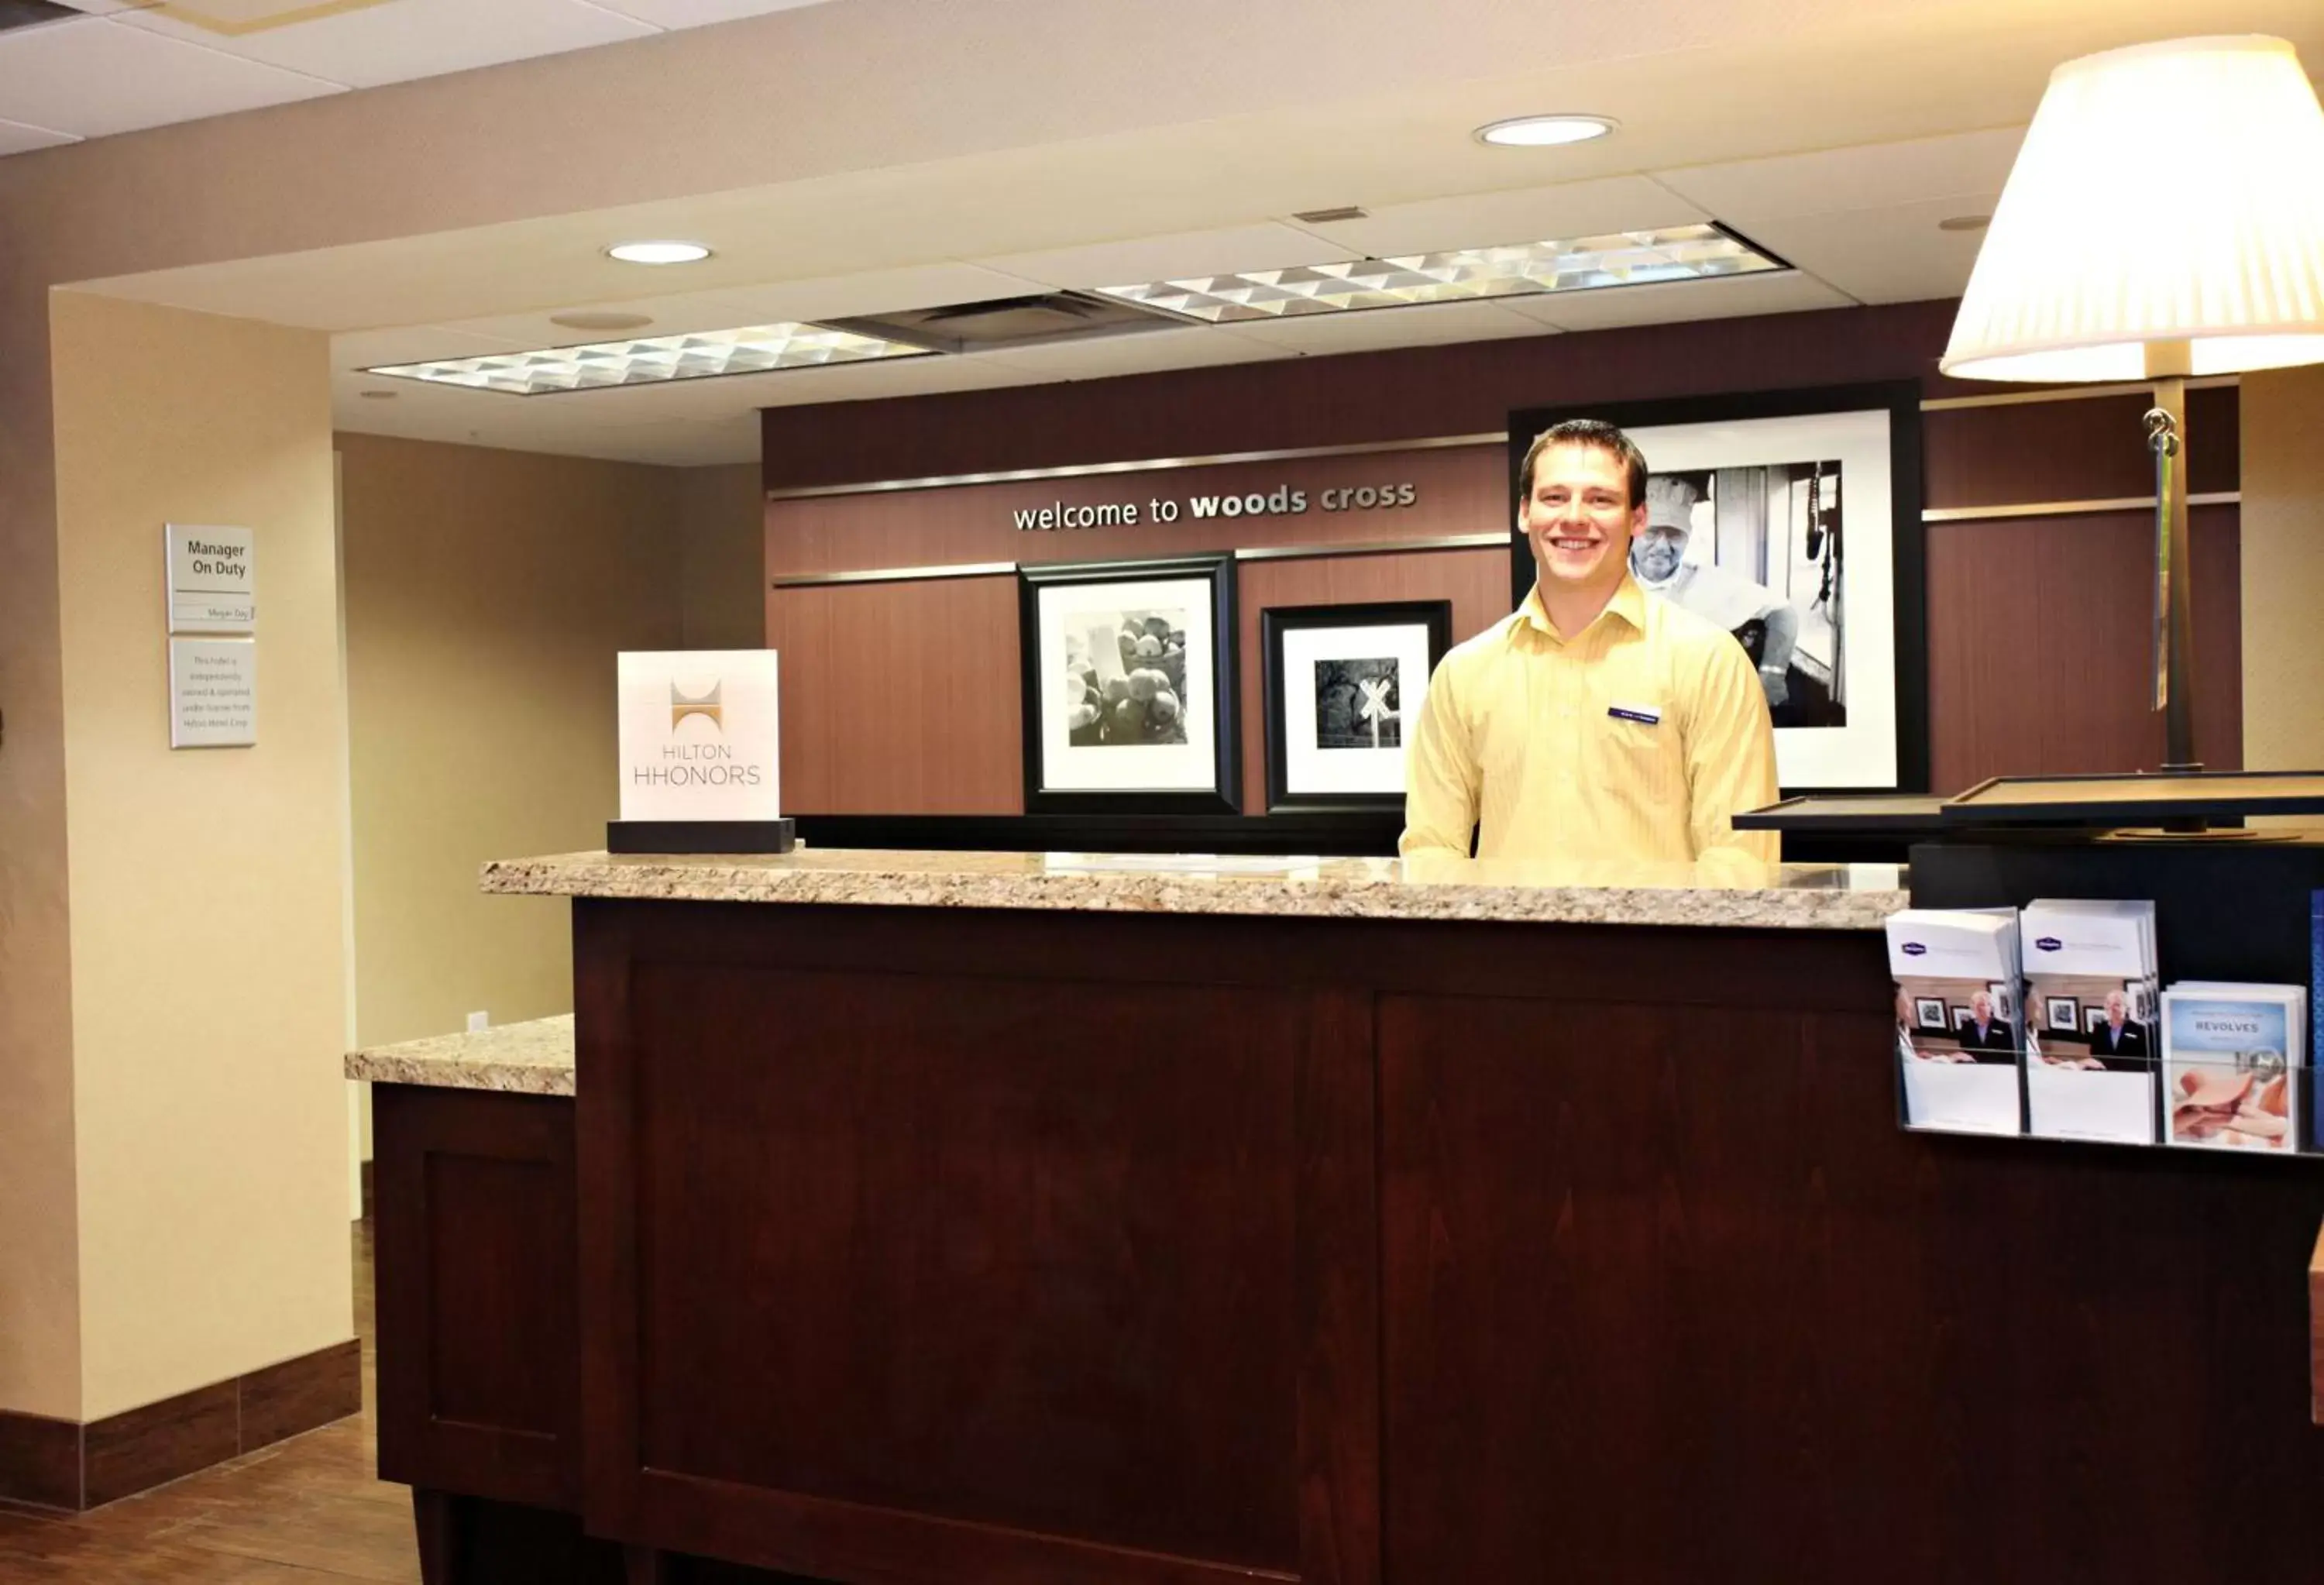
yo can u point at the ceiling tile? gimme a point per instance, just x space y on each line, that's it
694 13
675 314
1834 181
1230 251
376 45
1670 301
1887 256
878 291
1538 214
412 344
1196 346
96 76
1378 329
17 139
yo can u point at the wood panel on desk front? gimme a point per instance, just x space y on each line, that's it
908 1261
1672 1300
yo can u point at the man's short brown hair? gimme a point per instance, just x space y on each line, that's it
1599 435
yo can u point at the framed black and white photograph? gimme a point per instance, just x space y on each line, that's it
1793 519
1129 686
1929 1012
2066 1015
1341 686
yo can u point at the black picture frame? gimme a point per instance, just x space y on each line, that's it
1929 1013
1276 622
1224 797
2065 1014
1901 400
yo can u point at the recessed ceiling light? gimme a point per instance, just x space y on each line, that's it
658 253
702 354
588 319
1630 258
1966 223
377 395
1542 132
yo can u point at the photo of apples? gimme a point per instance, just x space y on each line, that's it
1126 677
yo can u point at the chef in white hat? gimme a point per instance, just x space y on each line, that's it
1716 594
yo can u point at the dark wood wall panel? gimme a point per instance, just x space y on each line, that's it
2089 449
2040 645
900 699
1363 398
1459 489
2038 625
1477 582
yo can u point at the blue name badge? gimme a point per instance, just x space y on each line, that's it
1643 715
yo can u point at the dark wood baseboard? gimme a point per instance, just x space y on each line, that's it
69 1465
40 1460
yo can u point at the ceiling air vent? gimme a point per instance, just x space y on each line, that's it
1009 321
25 13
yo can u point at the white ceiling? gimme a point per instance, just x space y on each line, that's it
131 64
1838 148
1858 224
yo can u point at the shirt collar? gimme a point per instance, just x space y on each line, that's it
1629 604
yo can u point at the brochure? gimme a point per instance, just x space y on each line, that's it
2232 1065
1958 1032
2090 1004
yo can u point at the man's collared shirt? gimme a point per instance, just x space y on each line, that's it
1638 738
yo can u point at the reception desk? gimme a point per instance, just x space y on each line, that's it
934 1219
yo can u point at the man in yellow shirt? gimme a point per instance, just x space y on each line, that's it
1593 722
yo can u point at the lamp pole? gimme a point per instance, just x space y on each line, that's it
2174 620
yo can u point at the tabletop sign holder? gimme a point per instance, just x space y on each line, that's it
700 752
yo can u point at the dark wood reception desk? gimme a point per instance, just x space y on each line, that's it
946 1218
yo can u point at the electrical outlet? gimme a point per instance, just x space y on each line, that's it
479 1020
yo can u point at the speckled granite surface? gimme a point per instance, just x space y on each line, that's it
532 1059
1741 895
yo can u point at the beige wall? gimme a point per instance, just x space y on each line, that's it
204 885
487 595
2283 422
722 561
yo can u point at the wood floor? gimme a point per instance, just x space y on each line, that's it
309 1511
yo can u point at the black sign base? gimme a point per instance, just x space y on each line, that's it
701 837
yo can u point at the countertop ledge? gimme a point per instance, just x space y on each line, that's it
531 1058
1740 896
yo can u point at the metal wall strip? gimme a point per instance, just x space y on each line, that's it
901 575
1962 514
983 569
2065 393
1371 547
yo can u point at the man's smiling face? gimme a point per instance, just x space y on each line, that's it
1579 517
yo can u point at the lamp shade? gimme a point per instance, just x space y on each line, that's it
2165 217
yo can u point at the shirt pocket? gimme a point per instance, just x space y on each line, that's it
1641 750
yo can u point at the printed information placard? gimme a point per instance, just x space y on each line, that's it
213 693
700 736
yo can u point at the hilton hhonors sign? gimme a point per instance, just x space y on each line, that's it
699 735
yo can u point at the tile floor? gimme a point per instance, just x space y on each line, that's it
310 1511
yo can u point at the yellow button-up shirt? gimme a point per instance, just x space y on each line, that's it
1638 738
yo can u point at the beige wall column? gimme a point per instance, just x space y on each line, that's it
722 564
205 887
488 592
2283 421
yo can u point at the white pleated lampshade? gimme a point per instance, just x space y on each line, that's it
2165 216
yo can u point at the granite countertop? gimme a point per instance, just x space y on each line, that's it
1738 894
532 1059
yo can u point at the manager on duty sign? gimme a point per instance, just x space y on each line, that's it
700 737
213 580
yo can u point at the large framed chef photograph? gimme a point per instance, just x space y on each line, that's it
1342 686
1793 519
1129 686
